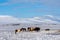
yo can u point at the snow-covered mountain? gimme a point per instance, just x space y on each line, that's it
47 19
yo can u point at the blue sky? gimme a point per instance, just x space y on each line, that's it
29 8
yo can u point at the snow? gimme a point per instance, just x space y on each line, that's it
27 36
44 22
7 33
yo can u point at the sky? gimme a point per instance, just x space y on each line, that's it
29 8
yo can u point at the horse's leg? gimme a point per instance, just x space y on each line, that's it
16 31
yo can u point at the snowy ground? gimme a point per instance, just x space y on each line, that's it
28 36
5 34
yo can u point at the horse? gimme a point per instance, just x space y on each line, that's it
23 29
47 29
17 30
36 29
20 30
33 29
30 29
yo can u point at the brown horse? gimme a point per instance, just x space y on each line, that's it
30 28
33 29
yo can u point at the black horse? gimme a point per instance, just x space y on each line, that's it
23 29
47 29
36 29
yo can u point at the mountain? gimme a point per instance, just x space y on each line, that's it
5 19
47 21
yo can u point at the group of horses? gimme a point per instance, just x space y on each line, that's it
29 29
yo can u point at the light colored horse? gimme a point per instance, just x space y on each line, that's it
20 30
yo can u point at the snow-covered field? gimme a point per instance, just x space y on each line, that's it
7 33
28 36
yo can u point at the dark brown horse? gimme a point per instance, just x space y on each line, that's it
36 29
33 29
